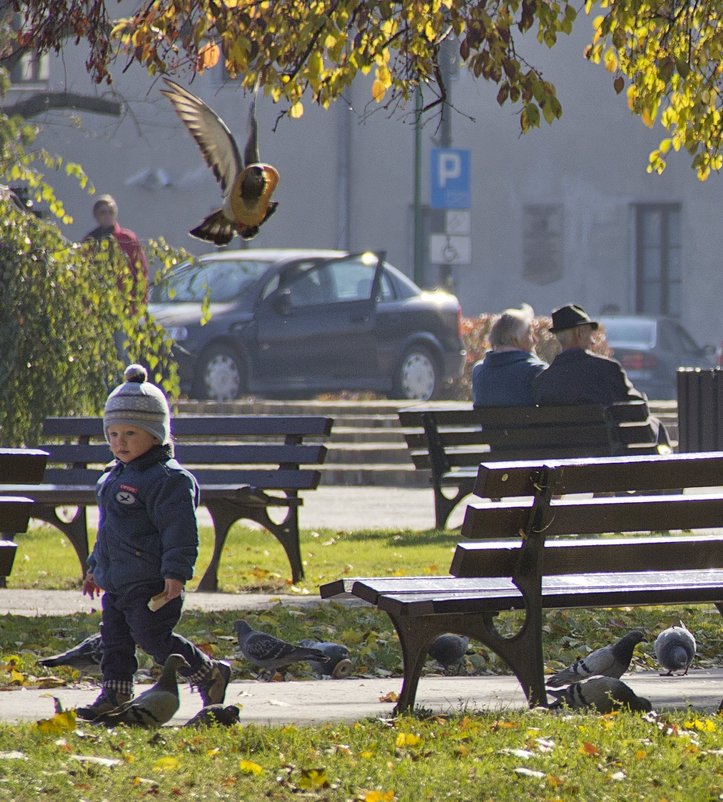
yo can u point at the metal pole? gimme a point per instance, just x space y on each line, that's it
418 223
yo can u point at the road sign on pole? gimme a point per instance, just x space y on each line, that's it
449 176
445 249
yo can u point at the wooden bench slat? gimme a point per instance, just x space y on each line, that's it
14 514
21 465
604 474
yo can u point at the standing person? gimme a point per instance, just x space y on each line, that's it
105 211
504 377
577 376
146 547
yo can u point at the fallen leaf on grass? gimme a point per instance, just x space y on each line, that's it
392 696
96 761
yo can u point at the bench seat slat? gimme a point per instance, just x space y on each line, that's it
22 465
14 514
580 590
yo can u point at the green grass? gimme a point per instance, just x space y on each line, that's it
531 755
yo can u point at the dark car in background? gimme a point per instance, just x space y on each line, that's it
651 349
294 323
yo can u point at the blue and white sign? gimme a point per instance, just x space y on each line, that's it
449 175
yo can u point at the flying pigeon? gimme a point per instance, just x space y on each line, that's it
604 694
153 707
675 649
449 650
221 715
85 656
609 661
268 652
247 183
337 666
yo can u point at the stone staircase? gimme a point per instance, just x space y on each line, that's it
366 447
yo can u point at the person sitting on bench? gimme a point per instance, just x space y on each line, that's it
504 377
577 376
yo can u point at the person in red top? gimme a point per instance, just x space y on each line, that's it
105 211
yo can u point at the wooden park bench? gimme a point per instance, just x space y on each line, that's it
17 465
520 554
450 442
248 467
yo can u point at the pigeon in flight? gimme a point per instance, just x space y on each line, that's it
270 653
221 715
609 661
85 656
675 649
449 650
337 666
604 694
153 707
247 183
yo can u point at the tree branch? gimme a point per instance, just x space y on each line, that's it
41 102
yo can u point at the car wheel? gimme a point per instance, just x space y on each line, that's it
417 375
220 375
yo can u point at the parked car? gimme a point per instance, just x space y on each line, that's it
651 349
287 323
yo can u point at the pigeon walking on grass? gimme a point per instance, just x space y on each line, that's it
449 650
337 666
153 707
247 183
604 694
85 656
270 653
675 649
609 661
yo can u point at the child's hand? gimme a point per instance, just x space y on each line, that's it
89 586
173 588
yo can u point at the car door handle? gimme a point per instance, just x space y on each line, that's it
362 317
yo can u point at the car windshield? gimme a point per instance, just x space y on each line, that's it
629 333
225 279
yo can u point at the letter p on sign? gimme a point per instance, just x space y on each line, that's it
449 178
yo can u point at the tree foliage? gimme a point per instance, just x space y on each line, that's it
667 52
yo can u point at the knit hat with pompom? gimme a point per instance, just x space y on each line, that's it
138 402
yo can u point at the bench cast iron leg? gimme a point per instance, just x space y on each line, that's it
225 513
522 652
76 530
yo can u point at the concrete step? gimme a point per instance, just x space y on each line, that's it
371 475
367 452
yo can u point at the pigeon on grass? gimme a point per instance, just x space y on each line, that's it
338 666
270 653
608 661
603 694
85 656
675 649
218 715
153 707
449 650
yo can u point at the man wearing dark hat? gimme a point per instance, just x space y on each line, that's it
577 376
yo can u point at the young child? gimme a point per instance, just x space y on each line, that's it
147 546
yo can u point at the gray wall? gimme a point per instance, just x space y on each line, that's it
590 166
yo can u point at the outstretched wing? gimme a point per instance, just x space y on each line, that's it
210 132
251 151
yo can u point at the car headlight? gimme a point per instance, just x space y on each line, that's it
177 333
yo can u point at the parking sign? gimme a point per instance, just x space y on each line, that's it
449 175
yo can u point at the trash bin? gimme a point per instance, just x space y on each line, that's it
700 409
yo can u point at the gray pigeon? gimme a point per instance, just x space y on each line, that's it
609 661
85 656
604 694
675 649
449 650
220 715
337 666
270 653
153 707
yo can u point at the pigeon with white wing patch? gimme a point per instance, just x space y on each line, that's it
609 661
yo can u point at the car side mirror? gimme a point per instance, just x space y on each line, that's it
281 302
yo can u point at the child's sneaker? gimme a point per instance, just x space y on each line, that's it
213 688
107 700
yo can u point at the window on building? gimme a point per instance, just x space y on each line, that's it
31 69
658 259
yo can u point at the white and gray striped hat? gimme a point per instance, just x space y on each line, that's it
138 402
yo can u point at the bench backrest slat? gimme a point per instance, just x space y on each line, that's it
605 474
621 555
572 516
